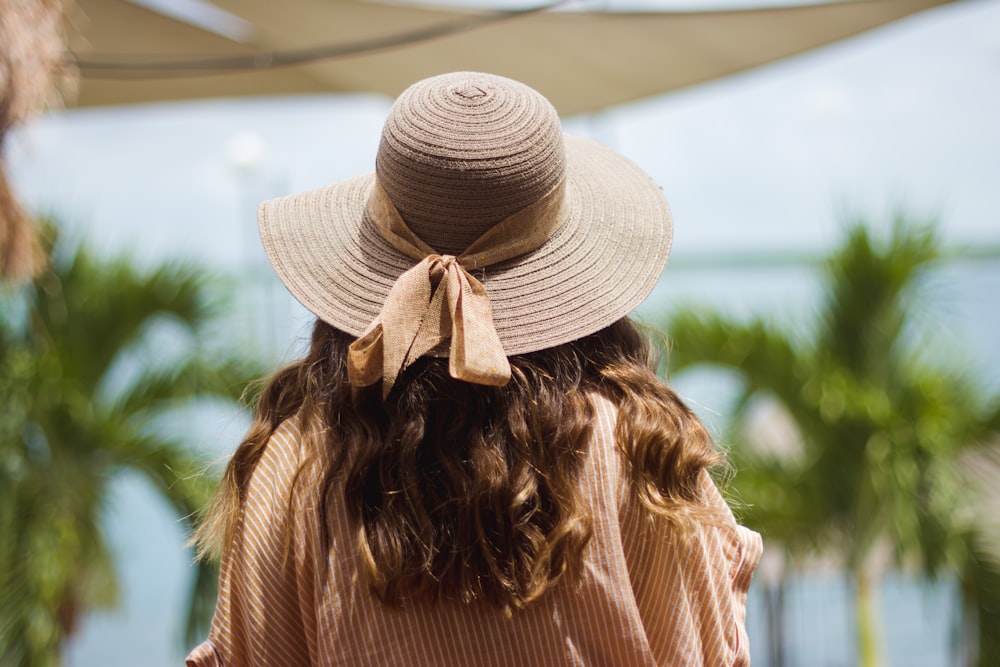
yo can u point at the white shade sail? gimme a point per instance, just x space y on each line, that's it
582 61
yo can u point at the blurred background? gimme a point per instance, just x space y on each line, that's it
831 301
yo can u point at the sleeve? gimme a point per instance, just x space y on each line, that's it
265 609
692 591
738 551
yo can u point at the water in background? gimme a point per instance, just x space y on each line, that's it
920 619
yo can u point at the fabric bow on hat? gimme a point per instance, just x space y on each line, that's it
438 299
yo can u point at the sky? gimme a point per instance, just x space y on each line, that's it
904 116
771 161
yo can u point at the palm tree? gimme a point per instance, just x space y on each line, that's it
96 361
882 426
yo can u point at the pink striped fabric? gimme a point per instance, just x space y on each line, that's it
643 598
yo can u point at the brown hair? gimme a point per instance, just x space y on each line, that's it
471 492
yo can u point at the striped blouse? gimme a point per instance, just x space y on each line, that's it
641 599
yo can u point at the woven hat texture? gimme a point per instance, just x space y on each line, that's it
459 153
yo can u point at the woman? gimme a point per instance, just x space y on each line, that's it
475 463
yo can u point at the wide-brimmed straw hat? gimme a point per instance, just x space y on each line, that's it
484 232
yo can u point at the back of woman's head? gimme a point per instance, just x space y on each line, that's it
489 237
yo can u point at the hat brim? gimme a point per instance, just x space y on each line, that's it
601 262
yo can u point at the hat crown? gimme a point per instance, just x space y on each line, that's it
461 152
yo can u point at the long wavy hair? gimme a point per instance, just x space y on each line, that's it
471 492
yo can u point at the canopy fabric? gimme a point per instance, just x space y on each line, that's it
581 61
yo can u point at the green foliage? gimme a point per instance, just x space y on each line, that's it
883 421
94 355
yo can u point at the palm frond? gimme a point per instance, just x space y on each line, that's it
157 388
767 357
869 282
92 310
